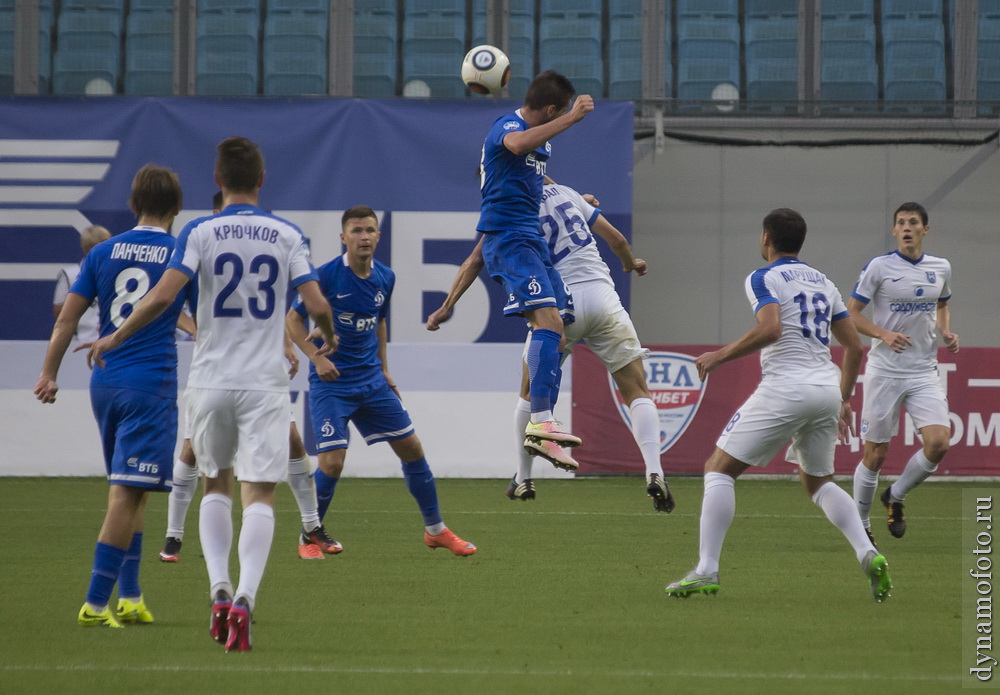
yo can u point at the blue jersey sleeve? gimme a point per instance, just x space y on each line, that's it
501 128
85 284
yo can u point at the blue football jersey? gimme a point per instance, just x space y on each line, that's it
511 184
118 273
358 304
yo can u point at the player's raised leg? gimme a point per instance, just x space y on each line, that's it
131 605
185 484
521 486
113 542
330 465
718 508
313 538
645 425
921 466
420 483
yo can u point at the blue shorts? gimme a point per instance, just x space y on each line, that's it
138 432
373 408
520 261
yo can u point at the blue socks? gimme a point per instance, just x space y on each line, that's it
543 368
107 563
558 382
420 483
325 487
128 575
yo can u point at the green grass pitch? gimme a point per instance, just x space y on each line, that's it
564 596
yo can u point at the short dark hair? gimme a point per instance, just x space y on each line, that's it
787 229
549 89
911 207
217 200
356 213
156 192
239 164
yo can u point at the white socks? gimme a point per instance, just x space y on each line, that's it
215 524
303 487
865 485
255 545
840 510
522 415
435 529
181 494
917 470
718 507
646 430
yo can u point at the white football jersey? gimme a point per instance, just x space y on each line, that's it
245 259
89 328
565 219
809 302
904 294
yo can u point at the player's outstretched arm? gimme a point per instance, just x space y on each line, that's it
619 245
291 356
847 335
766 331
944 327
466 275
897 341
295 331
187 324
524 141
319 311
143 313
62 334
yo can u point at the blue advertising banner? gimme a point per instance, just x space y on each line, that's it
66 163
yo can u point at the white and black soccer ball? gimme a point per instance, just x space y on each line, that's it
485 69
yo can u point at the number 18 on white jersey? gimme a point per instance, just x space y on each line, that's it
809 302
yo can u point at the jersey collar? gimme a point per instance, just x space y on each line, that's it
785 260
148 228
237 207
908 259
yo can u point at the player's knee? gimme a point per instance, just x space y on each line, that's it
408 448
331 463
296 449
936 448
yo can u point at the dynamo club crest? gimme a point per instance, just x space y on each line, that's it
675 389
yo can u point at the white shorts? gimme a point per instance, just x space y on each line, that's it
922 396
245 430
187 423
806 414
602 322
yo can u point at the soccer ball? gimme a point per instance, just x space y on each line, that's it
485 69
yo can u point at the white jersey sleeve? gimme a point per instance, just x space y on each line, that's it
904 295
565 219
64 280
808 303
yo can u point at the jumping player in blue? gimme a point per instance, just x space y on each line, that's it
513 165
353 384
134 395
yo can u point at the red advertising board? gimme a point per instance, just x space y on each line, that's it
692 413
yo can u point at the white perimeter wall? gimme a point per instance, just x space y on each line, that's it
461 398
